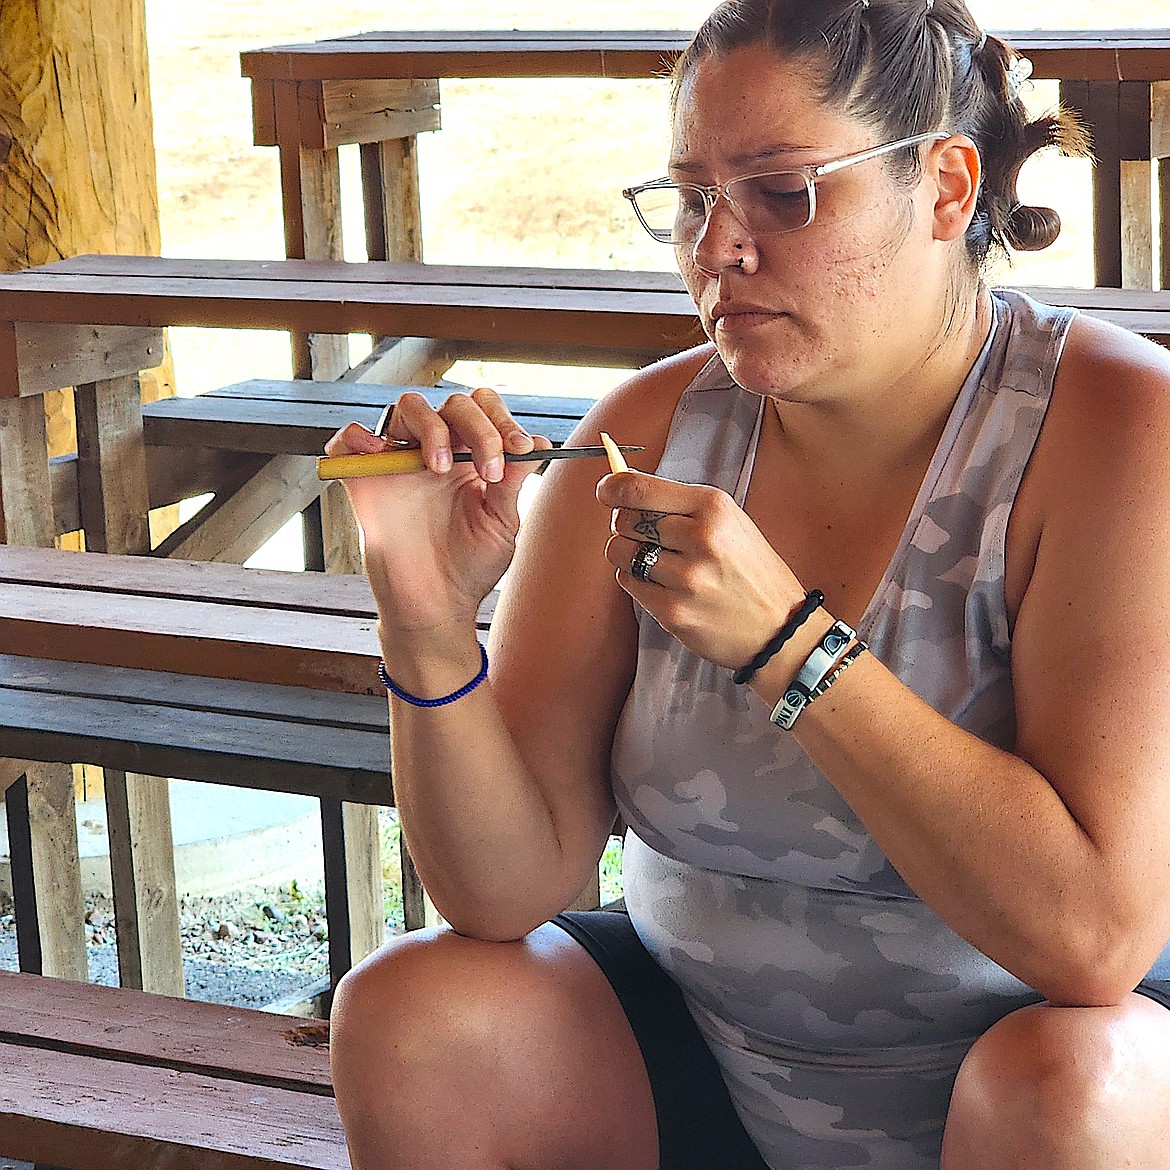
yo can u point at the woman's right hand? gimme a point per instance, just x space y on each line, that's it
437 541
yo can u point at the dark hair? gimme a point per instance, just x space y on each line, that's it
907 67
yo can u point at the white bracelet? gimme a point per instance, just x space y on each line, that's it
817 666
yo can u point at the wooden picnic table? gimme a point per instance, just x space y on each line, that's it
157 667
381 89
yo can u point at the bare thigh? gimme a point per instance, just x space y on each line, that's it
1065 1088
450 1051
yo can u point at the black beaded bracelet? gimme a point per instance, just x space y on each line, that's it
813 600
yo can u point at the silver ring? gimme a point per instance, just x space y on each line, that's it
644 560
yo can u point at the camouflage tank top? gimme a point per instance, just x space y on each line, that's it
838 1005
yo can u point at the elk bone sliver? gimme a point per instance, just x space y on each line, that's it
617 461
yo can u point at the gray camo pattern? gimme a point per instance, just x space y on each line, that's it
837 1004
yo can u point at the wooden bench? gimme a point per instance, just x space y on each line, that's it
205 672
584 317
269 417
99 1078
381 89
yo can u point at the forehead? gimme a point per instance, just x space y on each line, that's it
752 102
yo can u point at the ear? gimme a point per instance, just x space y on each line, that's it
957 170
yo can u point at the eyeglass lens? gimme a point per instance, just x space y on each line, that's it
764 204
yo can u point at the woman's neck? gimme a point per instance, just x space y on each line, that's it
894 420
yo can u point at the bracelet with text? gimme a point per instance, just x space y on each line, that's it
813 600
415 701
817 667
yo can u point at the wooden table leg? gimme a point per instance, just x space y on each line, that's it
1160 150
46 873
353 883
114 505
1164 192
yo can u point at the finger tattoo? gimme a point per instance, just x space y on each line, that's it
647 525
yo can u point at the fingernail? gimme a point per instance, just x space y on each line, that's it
520 440
443 460
494 471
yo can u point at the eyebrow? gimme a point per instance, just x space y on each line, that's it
744 160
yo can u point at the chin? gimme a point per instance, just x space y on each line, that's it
778 377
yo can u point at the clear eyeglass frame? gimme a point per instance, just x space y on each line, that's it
808 175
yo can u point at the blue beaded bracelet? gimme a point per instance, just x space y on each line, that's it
415 701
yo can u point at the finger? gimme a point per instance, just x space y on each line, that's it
516 438
641 491
471 426
620 552
640 524
414 421
355 439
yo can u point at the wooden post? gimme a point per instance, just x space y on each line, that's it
77 163
113 501
77 174
1160 150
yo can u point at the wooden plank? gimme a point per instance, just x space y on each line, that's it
1164 200
298 705
214 747
219 620
1160 120
421 361
83 1113
10 772
184 1035
376 395
240 524
26 497
257 645
653 322
300 428
142 876
1102 117
1073 54
263 113
373 111
1137 224
53 357
374 274
52 815
183 580
111 467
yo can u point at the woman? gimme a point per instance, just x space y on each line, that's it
920 901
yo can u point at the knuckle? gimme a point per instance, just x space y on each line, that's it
457 402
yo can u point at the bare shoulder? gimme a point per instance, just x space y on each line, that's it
1110 378
1108 424
639 411
1101 453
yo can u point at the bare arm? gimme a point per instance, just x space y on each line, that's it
505 795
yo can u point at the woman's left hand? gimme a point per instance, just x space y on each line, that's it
718 586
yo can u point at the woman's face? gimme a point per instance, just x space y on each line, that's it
804 313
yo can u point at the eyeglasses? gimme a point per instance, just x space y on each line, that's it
767 204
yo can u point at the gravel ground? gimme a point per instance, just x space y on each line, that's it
250 948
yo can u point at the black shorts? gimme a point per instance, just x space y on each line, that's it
698 1128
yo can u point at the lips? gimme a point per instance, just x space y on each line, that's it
741 309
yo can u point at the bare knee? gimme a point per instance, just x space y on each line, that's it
1065 1084
449 1051
411 1007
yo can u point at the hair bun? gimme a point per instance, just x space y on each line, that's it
1030 229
